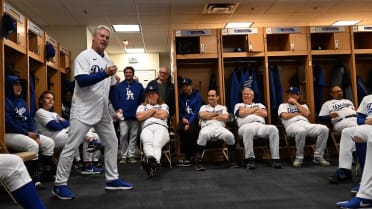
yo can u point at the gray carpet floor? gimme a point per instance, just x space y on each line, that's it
216 188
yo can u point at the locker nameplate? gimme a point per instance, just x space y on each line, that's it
327 29
283 30
232 31
180 33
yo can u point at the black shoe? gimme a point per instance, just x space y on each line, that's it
146 167
233 165
199 166
341 175
276 164
251 164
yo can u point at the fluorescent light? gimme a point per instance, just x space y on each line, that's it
134 50
126 28
346 22
239 25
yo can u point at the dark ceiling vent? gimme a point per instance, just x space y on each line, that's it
220 8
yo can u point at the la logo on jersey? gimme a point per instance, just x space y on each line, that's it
130 95
188 109
20 112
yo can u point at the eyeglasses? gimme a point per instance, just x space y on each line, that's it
165 73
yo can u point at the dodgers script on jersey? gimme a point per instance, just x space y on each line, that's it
217 109
90 98
343 107
153 120
251 117
289 108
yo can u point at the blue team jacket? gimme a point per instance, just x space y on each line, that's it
127 96
17 115
190 106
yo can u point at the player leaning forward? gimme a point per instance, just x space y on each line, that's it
94 73
294 117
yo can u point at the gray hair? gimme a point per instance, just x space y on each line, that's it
100 27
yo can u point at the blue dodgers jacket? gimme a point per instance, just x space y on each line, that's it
190 106
17 115
127 96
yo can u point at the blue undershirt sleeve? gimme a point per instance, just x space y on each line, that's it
361 118
54 125
88 80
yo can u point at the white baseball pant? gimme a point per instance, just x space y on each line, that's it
211 132
13 172
301 129
250 130
153 138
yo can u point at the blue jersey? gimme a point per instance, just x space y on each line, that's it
17 115
127 96
190 106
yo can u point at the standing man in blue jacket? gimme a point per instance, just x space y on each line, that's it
125 99
190 102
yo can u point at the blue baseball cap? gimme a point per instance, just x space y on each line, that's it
8 25
153 88
50 51
294 90
186 81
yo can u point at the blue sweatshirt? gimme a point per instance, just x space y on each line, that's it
190 106
127 96
17 115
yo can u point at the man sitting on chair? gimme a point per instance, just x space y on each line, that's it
294 117
250 118
341 113
213 117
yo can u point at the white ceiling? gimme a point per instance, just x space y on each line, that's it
158 18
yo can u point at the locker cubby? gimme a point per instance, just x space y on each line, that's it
278 42
235 43
64 64
15 63
330 41
36 42
16 39
363 40
188 45
249 45
328 63
54 84
292 73
200 72
363 64
196 44
53 62
38 74
230 65
286 42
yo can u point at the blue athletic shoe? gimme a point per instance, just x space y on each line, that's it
354 203
91 170
63 192
355 188
118 185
